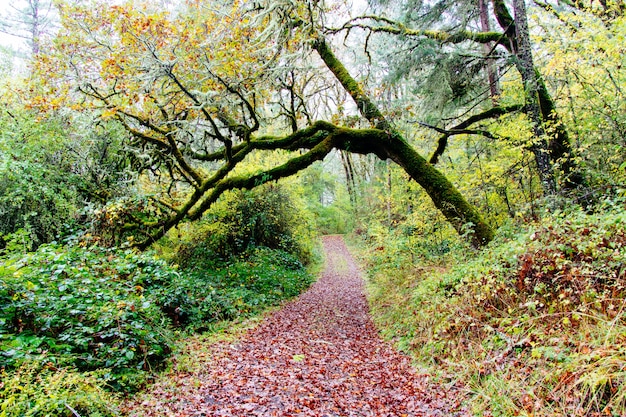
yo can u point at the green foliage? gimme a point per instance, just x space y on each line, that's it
35 206
46 179
538 314
244 220
110 309
41 390
583 64
108 224
86 308
327 200
215 291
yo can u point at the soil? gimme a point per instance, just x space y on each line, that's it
319 355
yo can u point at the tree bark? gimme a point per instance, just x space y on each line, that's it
526 68
492 76
557 145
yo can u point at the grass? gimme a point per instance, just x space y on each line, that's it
535 324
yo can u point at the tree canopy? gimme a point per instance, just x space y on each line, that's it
197 90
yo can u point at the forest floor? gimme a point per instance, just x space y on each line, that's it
319 355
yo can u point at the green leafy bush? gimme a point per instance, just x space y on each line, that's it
35 205
47 179
212 292
88 308
264 217
95 308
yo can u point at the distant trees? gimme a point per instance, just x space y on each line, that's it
30 20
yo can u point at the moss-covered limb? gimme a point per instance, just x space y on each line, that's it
506 22
287 169
397 28
303 138
355 140
181 213
443 193
366 106
462 128
203 198
218 155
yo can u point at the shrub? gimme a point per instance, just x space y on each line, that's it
88 308
254 280
264 217
35 205
95 308
538 315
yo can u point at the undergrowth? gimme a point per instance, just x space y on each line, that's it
535 324
36 389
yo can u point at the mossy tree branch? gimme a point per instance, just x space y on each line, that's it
384 25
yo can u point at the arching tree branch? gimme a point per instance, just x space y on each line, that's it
391 143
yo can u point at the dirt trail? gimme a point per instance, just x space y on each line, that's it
320 355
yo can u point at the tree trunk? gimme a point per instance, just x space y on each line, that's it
442 192
557 146
350 182
526 68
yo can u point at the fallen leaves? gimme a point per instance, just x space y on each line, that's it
318 356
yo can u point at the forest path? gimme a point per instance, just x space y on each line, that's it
319 355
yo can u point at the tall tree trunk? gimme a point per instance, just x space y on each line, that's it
442 192
350 182
558 145
526 68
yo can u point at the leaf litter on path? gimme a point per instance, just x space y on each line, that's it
319 355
